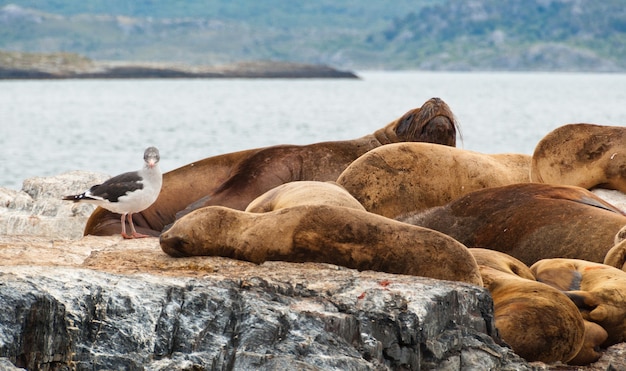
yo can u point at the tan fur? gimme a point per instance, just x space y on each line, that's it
321 233
235 179
529 221
502 262
591 350
303 193
598 290
584 155
616 257
539 322
594 335
400 178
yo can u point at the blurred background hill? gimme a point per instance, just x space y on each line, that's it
511 35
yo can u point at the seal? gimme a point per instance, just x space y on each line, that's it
539 322
305 192
584 155
594 334
235 179
597 289
323 234
402 178
529 221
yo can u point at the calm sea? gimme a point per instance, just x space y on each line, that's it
50 127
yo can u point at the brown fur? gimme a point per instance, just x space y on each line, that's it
400 178
529 221
597 289
584 155
502 262
304 192
235 179
539 322
321 233
591 350
594 335
616 257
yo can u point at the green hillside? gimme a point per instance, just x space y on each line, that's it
573 35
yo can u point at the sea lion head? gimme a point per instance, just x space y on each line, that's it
433 122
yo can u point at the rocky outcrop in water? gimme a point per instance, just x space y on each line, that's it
16 65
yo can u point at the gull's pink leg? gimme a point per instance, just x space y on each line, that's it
124 226
133 232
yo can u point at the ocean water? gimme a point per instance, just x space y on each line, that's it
49 127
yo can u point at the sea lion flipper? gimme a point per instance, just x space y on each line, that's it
584 300
616 257
193 206
603 205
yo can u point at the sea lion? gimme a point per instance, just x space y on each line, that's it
539 322
324 234
399 178
529 221
305 192
584 155
597 289
235 179
527 308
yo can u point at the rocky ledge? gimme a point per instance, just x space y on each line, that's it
86 303
17 65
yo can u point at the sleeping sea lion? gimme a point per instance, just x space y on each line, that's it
597 289
532 302
539 322
529 221
584 155
399 178
324 234
235 179
304 192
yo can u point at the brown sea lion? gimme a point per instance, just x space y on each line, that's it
305 192
594 334
399 178
539 322
597 289
324 234
235 179
584 155
529 221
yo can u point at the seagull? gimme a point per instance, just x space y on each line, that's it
127 193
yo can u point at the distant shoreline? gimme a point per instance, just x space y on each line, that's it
24 66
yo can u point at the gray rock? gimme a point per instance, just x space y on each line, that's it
277 315
37 210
